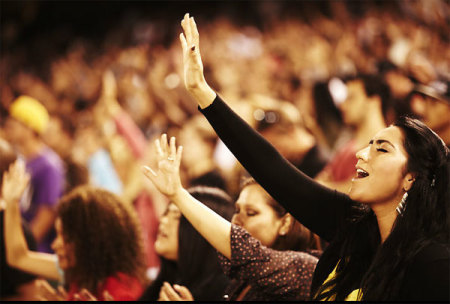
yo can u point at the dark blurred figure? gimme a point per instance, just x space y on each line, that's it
431 103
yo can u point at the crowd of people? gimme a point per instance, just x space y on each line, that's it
324 175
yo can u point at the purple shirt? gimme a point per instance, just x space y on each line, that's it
46 187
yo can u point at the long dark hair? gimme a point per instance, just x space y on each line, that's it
380 270
197 267
105 234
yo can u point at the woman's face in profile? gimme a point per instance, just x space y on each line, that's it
380 175
63 250
254 214
166 244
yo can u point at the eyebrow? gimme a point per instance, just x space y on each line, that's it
381 141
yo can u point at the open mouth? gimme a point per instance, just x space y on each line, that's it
162 234
360 173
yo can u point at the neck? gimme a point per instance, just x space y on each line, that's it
386 216
373 123
31 148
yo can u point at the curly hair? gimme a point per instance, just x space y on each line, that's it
105 235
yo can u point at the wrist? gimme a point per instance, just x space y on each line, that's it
204 95
177 196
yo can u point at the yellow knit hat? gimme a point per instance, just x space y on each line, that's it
30 112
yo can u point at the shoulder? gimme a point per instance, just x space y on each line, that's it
432 253
123 287
47 162
428 276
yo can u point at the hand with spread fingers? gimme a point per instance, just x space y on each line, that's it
174 293
47 293
86 295
167 177
15 180
194 78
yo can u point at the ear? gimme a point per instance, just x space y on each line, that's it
286 223
408 181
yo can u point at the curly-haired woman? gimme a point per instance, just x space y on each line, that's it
97 248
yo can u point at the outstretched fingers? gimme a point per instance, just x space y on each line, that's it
164 145
187 28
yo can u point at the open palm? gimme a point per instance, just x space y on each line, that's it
193 66
167 176
15 180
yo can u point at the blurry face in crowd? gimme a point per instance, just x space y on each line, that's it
56 137
434 113
16 132
353 109
399 84
380 176
255 215
64 250
166 244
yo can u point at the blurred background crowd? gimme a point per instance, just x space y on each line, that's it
109 74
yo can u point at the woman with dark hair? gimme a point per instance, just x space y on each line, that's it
188 261
257 214
389 237
97 247
261 273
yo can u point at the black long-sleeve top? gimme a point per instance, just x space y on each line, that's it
322 210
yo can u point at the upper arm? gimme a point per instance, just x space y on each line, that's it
42 222
39 264
314 205
428 279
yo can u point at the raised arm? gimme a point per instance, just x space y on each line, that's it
214 228
17 253
317 207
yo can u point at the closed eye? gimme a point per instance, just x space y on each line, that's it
382 150
251 213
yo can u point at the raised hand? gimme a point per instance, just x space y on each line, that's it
86 295
47 293
167 177
15 180
194 78
175 293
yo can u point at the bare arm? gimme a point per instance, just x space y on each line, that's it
17 253
42 223
215 229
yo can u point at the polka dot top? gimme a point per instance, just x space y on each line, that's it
272 274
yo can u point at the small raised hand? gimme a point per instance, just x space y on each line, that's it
167 176
174 293
15 181
194 79
47 293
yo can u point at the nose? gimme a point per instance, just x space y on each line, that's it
236 219
363 153
54 244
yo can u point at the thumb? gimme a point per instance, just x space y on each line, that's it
149 173
183 292
107 296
